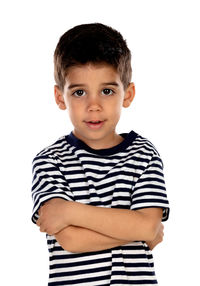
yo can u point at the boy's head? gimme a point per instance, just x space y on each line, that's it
93 74
92 43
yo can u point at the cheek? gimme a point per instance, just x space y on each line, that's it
115 110
75 110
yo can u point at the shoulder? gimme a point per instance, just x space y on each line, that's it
144 152
51 152
146 144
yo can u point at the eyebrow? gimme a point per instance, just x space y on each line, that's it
75 85
110 83
82 84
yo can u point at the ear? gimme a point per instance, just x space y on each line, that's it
129 95
59 97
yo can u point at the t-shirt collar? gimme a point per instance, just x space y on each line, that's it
128 139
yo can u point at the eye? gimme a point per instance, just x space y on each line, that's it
107 91
79 93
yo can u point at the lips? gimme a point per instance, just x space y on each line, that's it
95 124
94 121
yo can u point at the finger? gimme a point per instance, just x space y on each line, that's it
38 222
42 229
41 208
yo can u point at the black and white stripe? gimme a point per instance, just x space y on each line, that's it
129 176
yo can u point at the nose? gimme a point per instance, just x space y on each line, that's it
94 104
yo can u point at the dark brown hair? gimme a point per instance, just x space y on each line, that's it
92 43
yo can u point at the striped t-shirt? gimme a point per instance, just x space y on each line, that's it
127 176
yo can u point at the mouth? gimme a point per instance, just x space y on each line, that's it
95 124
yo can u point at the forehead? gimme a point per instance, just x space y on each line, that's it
92 71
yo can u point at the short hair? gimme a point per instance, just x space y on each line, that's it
92 43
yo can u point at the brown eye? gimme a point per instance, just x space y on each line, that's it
79 93
107 91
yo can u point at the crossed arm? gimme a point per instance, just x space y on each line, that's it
83 228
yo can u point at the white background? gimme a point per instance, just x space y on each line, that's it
164 39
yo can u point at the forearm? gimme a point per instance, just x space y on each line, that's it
77 240
120 224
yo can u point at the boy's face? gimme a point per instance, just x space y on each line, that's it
94 96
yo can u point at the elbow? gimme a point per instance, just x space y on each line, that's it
66 240
150 223
67 246
152 231
70 247
151 235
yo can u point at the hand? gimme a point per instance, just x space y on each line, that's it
158 238
53 216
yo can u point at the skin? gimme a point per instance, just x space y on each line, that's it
95 92
82 228
93 103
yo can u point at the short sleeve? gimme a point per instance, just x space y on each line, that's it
149 190
48 183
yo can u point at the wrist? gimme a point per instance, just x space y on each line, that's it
65 212
76 214
71 212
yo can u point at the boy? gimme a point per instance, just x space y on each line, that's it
100 196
